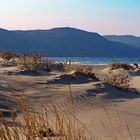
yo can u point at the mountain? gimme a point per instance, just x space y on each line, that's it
126 39
64 42
10 40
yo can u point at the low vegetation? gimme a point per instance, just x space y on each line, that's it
6 55
86 71
48 65
120 65
29 61
119 80
35 125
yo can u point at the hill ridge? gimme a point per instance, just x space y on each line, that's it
64 41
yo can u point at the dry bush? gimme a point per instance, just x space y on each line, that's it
87 71
119 80
119 65
48 65
29 61
6 55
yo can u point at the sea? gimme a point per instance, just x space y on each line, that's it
95 61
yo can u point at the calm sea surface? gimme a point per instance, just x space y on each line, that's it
99 61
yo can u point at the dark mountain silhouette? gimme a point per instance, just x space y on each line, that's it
64 42
10 40
126 39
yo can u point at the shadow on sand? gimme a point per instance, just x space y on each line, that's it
75 78
112 93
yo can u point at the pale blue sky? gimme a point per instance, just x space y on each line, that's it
102 16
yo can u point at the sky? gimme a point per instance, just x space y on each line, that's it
102 16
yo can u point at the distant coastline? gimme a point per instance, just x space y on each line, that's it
95 60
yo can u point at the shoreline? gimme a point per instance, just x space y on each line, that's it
96 60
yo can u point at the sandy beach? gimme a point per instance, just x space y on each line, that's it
105 111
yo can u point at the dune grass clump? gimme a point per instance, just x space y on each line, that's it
120 65
29 61
8 58
86 71
119 80
6 55
48 65
34 125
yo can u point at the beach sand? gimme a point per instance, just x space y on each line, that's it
105 111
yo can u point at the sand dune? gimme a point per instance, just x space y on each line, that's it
105 110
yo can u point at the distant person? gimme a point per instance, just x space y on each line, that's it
70 61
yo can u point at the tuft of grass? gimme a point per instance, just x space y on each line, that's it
34 125
119 65
120 80
29 61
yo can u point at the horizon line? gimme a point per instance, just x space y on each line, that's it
60 27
